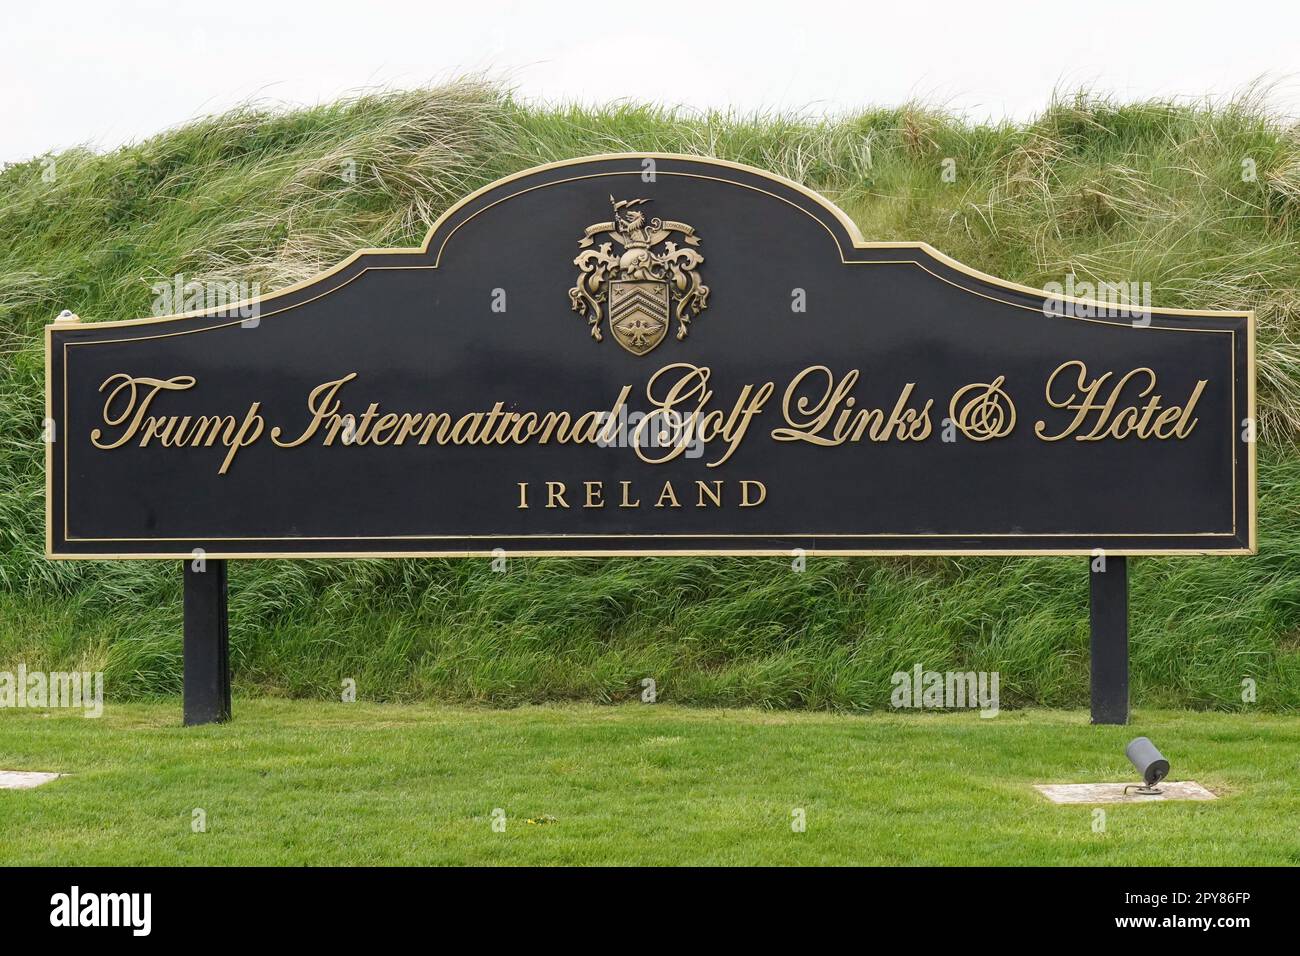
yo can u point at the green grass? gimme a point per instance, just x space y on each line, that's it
315 783
1147 192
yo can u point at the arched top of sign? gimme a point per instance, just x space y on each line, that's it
631 173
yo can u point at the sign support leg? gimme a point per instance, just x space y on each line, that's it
1108 621
207 645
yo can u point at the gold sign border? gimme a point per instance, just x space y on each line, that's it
859 242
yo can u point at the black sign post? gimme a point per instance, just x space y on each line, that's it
657 356
1108 646
206 643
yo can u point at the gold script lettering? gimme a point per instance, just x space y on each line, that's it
1085 398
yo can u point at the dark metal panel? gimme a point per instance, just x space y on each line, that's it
905 334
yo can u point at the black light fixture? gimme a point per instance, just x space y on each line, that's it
1149 762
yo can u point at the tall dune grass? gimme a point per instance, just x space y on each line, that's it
1202 201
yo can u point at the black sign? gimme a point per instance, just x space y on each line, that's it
652 355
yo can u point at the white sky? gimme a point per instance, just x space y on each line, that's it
104 72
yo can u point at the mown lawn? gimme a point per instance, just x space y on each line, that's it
318 783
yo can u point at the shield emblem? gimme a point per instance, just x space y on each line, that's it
638 313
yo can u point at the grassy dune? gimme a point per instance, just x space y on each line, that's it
1203 202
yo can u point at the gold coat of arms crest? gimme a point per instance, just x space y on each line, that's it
644 285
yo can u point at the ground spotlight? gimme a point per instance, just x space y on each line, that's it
1149 762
